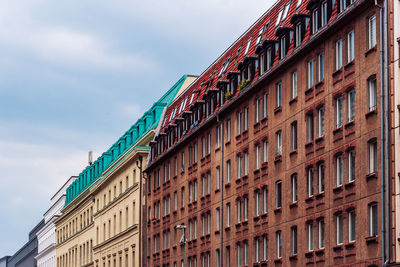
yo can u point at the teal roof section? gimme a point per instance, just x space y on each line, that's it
147 122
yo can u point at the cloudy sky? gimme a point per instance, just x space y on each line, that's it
74 75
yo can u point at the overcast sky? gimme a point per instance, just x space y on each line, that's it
74 75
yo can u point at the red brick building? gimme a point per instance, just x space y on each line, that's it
272 157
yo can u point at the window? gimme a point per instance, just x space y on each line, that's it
238 255
310 73
238 166
228 130
338 54
257 200
265 200
339 229
321 234
351 157
265 247
372 32
257 242
310 236
238 211
352 226
257 114
310 127
339 111
183 197
283 47
217 177
262 64
315 21
257 150
350 46
228 256
269 58
324 13
320 120
278 238
218 136
351 105
278 192
279 143
321 177
372 157
293 132
339 170
246 119
265 107
278 19
294 84
265 151
371 93
246 163
247 46
298 34
246 253
373 219
217 258
245 208
238 122
217 218
310 181
228 214
294 187
279 94
208 144
321 67
228 171
293 233
208 183
175 200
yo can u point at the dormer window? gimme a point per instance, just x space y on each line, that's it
260 33
298 34
324 13
282 47
298 3
247 47
315 17
269 58
183 104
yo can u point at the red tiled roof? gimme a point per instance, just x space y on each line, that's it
232 52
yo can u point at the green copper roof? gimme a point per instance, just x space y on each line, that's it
147 122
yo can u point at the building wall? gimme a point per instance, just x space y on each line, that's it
351 196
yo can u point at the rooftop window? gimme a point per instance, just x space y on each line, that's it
286 11
260 34
224 67
298 3
183 104
278 20
247 47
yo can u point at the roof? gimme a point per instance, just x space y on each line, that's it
142 126
236 54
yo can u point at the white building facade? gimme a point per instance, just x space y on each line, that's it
47 235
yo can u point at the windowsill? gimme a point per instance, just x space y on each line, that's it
309 199
318 85
293 100
319 139
350 245
278 210
349 64
369 51
309 254
227 185
279 260
349 124
319 195
293 152
370 113
349 184
278 158
320 252
217 149
277 110
371 239
337 72
337 189
293 205
338 248
372 175
338 130
293 258
227 143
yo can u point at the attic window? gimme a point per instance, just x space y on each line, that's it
278 20
224 67
298 3
191 99
247 47
183 104
285 13
172 115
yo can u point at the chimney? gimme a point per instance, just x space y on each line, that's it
90 157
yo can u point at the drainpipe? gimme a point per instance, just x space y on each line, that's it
384 134
143 247
221 221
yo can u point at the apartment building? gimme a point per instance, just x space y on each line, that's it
274 155
99 225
